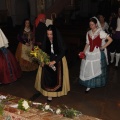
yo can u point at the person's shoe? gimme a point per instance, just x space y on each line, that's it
111 62
87 90
49 99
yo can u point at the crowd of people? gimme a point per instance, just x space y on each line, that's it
55 82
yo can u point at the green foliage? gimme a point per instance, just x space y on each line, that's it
70 113
38 55
1 108
23 106
3 102
63 110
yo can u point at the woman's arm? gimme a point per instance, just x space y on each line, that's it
109 40
85 48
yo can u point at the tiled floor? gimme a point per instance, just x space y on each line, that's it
99 102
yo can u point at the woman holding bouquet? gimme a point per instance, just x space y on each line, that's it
25 38
52 80
93 70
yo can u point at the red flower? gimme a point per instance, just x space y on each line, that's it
81 55
32 49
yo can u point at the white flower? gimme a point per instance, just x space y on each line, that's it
58 111
25 104
2 97
47 107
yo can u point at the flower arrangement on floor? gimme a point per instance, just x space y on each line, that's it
60 110
3 101
26 105
23 105
68 112
1 108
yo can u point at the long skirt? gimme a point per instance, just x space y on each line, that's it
9 68
25 62
53 83
100 80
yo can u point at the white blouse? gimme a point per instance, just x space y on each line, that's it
52 51
105 27
103 35
118 24
3 40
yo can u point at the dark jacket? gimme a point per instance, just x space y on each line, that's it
58 47
40 33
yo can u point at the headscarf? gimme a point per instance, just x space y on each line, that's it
98 22
3 40
40 16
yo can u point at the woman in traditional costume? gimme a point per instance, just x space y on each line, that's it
25 45
115 46
103 23
93 69
9 68
53 80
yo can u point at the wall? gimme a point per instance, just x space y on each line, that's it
88 8
3 11
2 5
21 9
57 7
33 10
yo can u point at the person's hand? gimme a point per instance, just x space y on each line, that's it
51 63
101 48
81 55
42 65
27 44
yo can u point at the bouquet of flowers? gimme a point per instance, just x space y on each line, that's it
38 55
